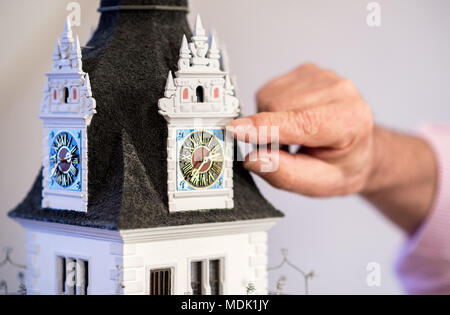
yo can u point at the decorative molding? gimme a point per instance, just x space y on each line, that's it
70 230
197 230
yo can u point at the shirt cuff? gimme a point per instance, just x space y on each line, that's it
424 261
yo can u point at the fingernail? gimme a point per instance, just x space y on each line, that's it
258 166
242 128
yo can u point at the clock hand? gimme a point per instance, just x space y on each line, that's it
211 157
197 170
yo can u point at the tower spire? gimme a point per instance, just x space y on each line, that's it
76 55
170 86
67 33
214 54
57 52
185 54
199 30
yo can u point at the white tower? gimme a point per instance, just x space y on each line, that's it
66 110
197 105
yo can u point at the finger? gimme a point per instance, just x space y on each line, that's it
314 127
297 173
296 93
279 85
298 97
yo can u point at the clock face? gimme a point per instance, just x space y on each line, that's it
201 159
64 160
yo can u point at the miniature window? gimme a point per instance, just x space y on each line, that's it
74 94
160 282
196 278
72 275
55 95
216 93
206 277
199 93
185 94
66 95
214 276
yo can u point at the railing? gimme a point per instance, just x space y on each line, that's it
8 261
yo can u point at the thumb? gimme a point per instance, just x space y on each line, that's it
295 172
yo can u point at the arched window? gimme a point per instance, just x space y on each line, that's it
66 95
199 93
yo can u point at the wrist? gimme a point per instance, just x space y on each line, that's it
402 179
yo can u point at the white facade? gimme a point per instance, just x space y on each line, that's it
121 262
200 98
67 108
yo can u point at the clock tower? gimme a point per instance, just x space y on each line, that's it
198 104
66 110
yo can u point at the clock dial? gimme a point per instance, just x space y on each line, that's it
64 159
201 159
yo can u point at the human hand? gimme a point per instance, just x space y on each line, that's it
342 152
325 114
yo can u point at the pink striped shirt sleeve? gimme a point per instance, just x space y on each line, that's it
424 262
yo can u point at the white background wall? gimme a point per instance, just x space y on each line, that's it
400 68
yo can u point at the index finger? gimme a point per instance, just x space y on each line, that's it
326 125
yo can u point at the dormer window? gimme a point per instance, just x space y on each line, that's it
199 93
185 94
66 95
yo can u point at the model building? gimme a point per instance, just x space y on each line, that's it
140 191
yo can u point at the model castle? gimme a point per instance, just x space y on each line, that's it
139 192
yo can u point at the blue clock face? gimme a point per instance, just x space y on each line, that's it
64 160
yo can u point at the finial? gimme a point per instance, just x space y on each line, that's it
67 33
184 50
57 51
213 53
77 46
170 86
199 31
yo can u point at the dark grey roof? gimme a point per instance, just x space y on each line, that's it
128 59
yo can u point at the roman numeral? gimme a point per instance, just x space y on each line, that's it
215 149
210 176
203 179
186 157
216 168
209 141
69 178
73 170
203 139
194 141
194 179
187 169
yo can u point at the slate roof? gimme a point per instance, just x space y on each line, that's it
128 59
